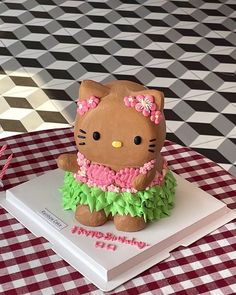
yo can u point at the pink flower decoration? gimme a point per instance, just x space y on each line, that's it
81 174
82 106
81 160
156 117
145 104
113 188
130 101
86 105
90 183
147 167
92 102
129 190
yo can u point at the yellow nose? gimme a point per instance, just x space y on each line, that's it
117 144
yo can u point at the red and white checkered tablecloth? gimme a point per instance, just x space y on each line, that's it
29 266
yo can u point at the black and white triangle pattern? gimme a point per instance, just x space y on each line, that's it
185 48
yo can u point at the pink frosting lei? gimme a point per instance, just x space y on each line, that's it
109 180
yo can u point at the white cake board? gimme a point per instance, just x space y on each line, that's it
37 205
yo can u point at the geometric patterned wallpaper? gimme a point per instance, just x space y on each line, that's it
184 48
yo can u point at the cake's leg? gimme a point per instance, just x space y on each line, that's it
86 217
128 223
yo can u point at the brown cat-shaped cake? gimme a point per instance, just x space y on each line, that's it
118 172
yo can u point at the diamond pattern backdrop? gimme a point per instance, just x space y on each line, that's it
185 48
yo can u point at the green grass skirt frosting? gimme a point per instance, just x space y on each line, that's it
151 204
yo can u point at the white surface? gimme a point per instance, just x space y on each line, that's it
196 214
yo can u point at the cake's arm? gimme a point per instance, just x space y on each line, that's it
142 181
68 162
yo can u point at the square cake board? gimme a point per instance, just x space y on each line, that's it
108 263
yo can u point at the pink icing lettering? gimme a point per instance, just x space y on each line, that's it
98 235
107 236
128 242
87 232
81 231
141 245
99 244
121 239
74 229
132 241
111 247
114 238
91 233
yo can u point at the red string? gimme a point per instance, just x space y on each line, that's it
6 165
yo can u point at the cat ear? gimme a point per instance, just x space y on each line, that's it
157 95
90 88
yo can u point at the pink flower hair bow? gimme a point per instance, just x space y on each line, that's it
146 105
86 104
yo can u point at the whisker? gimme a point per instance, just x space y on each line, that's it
152 151
82 143
152 139
82 131
152 145
81 136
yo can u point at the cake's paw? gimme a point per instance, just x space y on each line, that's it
86 217
128 223
68 162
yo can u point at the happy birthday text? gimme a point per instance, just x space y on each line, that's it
108 237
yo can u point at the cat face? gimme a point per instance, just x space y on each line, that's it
113 134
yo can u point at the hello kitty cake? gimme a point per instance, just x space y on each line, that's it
118 172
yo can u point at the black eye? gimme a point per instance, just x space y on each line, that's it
96 135
137 140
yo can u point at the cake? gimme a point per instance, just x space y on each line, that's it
118 172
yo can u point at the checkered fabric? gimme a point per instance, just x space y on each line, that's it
29 266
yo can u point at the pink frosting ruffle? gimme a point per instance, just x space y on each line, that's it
110 180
